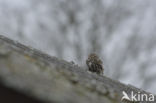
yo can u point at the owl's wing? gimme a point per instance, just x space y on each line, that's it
100 67
100 62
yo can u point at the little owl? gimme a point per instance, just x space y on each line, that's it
94 64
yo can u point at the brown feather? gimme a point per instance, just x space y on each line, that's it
94 64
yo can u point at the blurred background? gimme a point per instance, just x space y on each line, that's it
121 32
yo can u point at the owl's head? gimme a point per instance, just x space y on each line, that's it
93 55
94 58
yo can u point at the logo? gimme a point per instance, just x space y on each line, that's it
137 97
125 96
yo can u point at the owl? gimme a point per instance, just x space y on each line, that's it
95 64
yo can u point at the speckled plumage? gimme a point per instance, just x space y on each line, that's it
94 64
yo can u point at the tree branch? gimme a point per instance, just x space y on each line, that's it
35 73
